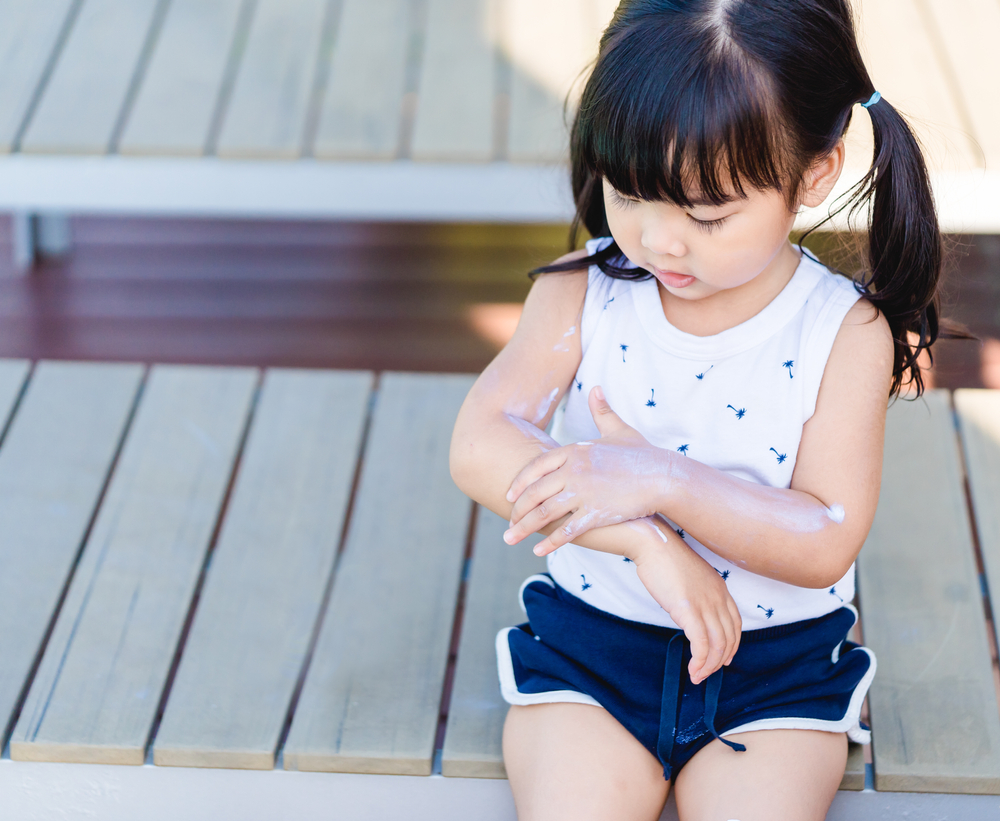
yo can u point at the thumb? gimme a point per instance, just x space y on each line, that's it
608 422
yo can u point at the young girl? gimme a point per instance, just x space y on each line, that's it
717 399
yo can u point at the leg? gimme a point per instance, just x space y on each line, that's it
785 775
576 762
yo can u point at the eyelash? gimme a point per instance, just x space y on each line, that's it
703 225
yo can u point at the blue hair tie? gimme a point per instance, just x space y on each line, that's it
874 99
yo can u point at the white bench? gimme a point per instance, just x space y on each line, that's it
445 110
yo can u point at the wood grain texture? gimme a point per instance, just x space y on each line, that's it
547 43
968 32
854 774
454 119
472 746
371 697
173 110
275 553
361 112
29 31
95 695
933 706
979 424
83 99
53 465
906 66
266 115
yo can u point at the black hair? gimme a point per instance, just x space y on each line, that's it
729 94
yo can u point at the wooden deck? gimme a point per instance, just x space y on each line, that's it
395 109
215 569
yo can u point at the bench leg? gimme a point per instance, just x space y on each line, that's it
35 235
22 241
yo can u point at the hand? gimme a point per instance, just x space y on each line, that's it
614 479
695 596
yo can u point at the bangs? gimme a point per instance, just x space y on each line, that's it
672 113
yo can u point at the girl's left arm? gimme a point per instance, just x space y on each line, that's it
807 535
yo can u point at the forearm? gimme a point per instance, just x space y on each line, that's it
784 534
486 457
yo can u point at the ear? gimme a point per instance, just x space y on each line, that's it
822 176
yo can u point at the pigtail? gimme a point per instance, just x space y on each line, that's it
904 243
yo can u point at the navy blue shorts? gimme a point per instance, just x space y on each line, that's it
804 675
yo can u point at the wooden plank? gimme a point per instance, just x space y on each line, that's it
906 67
933 705
83 99
29 31
454 119
472 746
262 595
362 110
371 697
13 372
548 43
95 695
174 108
979 424
968 30
266 115
53 465
854 774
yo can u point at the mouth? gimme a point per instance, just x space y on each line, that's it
673 279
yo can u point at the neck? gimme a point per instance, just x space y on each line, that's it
730 307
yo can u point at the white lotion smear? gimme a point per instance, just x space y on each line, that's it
545 404
836 513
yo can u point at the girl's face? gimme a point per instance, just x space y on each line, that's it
699 251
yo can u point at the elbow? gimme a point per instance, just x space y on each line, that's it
829 568
460 462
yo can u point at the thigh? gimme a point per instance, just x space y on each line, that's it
784 775
575 761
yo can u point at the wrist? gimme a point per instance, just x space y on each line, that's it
664 488
655 542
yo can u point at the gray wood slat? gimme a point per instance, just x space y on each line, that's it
173 110
263 591
95 695
454 119
362 109
548 42
29 31
933 704
476 715
12 375
83 99
371 697
266 115
979 423
53 465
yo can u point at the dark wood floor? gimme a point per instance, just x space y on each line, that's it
342 295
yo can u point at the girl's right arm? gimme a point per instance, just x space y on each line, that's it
500 429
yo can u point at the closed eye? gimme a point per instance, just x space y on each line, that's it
709 225
620 201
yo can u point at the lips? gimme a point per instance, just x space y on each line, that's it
674 280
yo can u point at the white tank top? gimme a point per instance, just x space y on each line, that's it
736 401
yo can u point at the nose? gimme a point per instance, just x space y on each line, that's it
661 237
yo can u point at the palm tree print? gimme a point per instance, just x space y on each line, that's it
781 456
680 532
724 574
739 413
702 375
586 585
768 611
833 592
579 385
683 449
606 304
650 403
627 559
788 364
624 348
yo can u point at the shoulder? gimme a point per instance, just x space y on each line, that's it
559 292
865 333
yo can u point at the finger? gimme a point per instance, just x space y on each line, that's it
726 619
549 510
716 649
546 487
734 612
580 522
534 470
698 638
608 422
